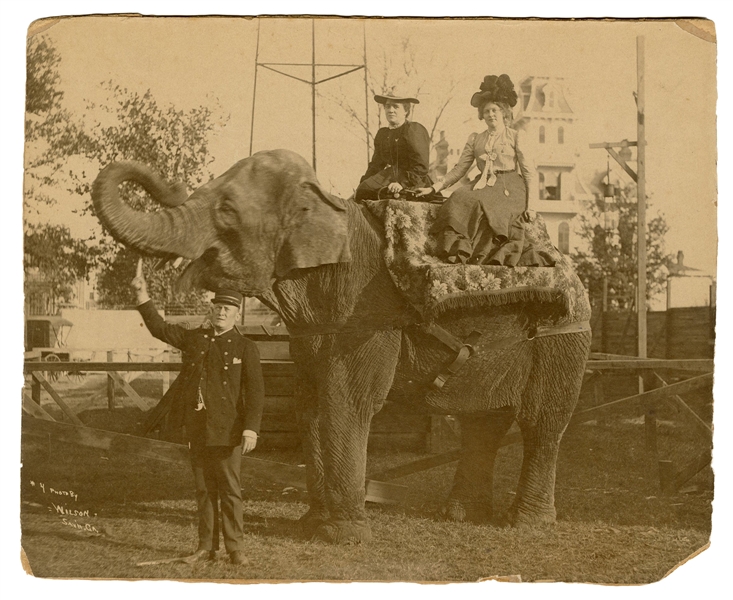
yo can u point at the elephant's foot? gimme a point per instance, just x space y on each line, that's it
463 510
344 532
525 517
312 520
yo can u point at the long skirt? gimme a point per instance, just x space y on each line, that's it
486 226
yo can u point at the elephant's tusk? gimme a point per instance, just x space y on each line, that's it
162 262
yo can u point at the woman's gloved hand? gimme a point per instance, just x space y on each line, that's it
529 215
394 188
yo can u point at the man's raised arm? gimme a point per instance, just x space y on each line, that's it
170 334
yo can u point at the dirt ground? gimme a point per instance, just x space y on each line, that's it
614 525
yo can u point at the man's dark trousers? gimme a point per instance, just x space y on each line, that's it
216 472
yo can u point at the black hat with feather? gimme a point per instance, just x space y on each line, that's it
495 89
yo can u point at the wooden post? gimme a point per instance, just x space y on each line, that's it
650 419
666 476
36 391
599 397
648 382
110 383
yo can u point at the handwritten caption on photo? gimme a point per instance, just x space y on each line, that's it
59 504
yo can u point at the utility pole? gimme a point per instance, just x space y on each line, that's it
638 177
640 199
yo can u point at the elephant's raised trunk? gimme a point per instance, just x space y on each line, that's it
182 229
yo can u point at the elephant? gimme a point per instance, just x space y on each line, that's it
267 228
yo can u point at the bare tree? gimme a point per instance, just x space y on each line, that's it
400 69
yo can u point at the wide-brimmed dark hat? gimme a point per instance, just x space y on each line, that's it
225 296
395 95
495 89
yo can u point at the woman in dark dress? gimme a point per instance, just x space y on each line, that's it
401 152
483 223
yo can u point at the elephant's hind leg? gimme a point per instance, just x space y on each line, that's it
471 498
534 503
548 403
345 458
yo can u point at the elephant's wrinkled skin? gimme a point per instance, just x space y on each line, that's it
267 228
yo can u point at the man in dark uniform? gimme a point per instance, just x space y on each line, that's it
220 396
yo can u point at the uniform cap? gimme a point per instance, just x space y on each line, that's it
226 296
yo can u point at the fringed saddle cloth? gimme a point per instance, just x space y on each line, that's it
434 287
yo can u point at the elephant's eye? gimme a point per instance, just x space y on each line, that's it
226 215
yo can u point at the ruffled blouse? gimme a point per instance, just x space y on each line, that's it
506 152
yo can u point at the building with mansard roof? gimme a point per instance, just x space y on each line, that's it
549 126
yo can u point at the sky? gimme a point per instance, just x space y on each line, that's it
706 573
190 61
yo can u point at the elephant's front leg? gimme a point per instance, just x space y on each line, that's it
309 424
345 434
352 386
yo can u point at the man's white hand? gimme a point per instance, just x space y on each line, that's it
139 285
249 441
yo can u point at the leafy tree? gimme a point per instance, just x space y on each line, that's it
42 78
52 135
129 126
611 253
56 260
53 260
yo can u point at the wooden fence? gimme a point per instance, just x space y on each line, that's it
396 428
393 428
674 333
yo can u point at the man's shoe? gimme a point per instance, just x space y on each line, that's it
201 556
238 558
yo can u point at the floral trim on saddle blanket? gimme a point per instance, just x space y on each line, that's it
433 286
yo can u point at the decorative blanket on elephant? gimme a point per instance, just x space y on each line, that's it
433 286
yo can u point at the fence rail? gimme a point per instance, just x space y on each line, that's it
268 366
406 430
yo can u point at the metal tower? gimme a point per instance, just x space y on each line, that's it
312 82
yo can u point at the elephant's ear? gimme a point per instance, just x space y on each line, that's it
320 232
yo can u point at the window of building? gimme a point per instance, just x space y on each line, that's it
550 99
542 134
552 186
543 192
560 135
563 238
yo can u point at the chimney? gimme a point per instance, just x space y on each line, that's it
680 259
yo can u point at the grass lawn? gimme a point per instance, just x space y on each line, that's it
614 526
